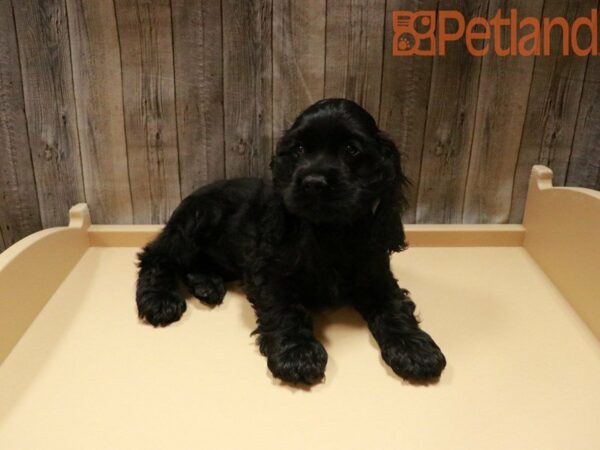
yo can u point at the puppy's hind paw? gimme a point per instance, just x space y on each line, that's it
301 363
415 358
209 289
160 309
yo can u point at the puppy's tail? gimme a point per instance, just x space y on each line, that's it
159 301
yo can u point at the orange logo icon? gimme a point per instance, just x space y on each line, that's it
414 33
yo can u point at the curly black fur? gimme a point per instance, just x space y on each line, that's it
320 235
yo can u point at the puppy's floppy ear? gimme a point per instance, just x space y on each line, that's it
274 164
387 228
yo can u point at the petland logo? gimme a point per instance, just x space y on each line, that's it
415 34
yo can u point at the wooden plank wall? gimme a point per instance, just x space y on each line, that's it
19 207
130 105
145 39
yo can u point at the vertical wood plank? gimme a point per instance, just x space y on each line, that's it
501 108
50 106
552 107
298 59
2 244
450 124
405 98
584 167
99 102
354 49
19 208
149 99
247 83
197 41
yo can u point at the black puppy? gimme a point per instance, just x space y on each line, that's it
320 235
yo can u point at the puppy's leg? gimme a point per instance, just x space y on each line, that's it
285 337
170 256
407 349
158 298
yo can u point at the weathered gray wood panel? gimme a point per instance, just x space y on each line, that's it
99 101
584 167
198 52
131 104
145 37
552 107
247 83
298 59
19 208
404 99
449 126
501 108
354 42
50 106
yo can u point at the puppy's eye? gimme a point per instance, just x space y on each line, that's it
298 150
352 150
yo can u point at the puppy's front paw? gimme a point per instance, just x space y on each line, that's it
414 357
160 309
304 362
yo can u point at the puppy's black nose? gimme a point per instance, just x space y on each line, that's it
314 183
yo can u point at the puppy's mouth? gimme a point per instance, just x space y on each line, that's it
327 205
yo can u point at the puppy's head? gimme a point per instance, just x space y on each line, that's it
335 166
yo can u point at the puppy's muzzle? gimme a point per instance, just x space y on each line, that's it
314 184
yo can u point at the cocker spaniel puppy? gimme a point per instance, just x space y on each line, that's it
319 236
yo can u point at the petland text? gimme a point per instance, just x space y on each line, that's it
427 33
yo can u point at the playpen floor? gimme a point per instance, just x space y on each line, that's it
523 370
